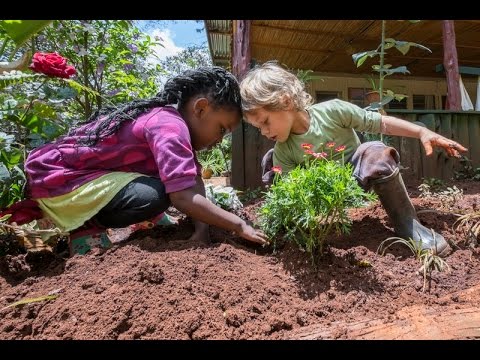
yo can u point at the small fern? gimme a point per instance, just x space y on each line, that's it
14 77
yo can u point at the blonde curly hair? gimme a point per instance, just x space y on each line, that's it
269 85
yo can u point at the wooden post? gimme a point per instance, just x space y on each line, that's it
450 62
240 65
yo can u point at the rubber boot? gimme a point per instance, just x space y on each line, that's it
394 198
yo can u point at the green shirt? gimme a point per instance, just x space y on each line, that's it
330 121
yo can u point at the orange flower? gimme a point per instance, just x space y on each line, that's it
330 144
340 148
307 146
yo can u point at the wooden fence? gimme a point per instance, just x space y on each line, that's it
249 146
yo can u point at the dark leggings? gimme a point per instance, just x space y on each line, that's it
142 199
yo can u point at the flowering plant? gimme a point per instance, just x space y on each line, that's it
52 64
311 200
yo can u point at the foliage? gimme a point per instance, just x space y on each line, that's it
467 171
470 223
112 58
190 58
427 258
218 158
386 69
21 31
430 185
250 194
224 196
312 200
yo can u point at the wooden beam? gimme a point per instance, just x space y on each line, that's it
241 58
300 31
467 70
450 62
281 46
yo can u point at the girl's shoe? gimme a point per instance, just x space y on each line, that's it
163 220
82 242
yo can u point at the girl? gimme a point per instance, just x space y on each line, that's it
126 165
274 100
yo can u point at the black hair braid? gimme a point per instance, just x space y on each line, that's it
215 83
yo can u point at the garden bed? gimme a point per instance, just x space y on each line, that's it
159 285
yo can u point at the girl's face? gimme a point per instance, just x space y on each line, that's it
210 124
275 125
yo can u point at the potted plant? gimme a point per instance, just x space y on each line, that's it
385 96
373 96
211 162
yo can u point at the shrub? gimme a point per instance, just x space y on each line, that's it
311 201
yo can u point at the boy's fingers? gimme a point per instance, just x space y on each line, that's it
428 148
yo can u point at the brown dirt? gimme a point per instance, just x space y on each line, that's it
159 285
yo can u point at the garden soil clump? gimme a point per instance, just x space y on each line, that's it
157 284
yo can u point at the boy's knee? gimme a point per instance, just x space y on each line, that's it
374 160
267 164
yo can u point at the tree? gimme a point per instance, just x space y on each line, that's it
110 57
190 58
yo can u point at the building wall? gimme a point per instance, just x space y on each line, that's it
411 86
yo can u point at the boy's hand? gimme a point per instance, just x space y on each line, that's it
430 139
249 233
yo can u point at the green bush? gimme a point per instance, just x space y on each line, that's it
311 200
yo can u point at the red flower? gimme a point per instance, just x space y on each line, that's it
52 64
309 152
330 144
340 148
307 146
277 169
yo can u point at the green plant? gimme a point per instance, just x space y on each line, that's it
428 260
386 69
471 225
311 201
467 171
211 159
430 186
388 94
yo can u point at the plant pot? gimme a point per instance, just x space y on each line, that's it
207 173
372 96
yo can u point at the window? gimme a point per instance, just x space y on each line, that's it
357 96
423 102
326 95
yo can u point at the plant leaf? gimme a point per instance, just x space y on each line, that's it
31 300
22 30
359 58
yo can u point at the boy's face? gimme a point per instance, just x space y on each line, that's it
275 125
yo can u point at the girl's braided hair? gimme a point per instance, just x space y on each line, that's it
215 83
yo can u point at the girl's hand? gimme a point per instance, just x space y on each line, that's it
430 139
249 233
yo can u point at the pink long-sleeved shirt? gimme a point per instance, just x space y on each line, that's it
156 144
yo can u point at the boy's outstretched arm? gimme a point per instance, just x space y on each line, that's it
191 202
398 127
